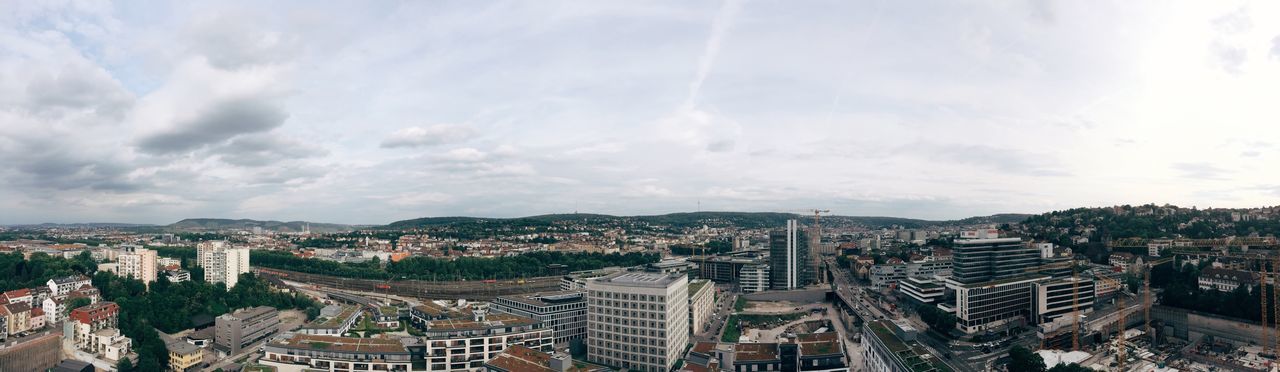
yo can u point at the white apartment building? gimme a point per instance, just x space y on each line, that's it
883 276
60 287
701 304
455 343
638 320
221 262
1225 280
565 312
138 263
754 278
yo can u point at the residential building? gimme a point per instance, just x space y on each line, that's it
19 295
55 310
177 276
244 327
789 258
84 324
565 312
17 317
638 320
60 287
1107 287
37 318
221 262
334 320
1122 260
754 278
138 263
518 358
300 352
184 356
109 343
1225 280
891 346
459 341
701 304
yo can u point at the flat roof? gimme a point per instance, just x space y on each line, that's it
756 352
548 298
347 312
987 241
913 355
343 344
642 279
491 321
696 285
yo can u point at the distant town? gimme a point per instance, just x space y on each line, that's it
1124 288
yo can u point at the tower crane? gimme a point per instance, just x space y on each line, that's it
1120 339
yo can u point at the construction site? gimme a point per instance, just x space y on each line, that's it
1128 331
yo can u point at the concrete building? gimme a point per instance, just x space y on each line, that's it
221 262
177 276
922 290
890 346
754 278
886 275
565 312
993 279
701 304
334 320
109 343
245 326
725 269
461 341
91 329
789 258
1054 298
55 310
301 352
637 320
138 263
17 317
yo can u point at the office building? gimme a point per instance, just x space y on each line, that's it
638 320
927 290
754 278
245 326
565 312
221 262
994 280
986 260
137 263
890 273
1054 298
890 346
789 258
701 304
725 269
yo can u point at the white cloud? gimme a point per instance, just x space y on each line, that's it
438 134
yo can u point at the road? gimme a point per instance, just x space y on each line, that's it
723 307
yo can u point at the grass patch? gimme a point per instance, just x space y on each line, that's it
740 304
755 319
732 331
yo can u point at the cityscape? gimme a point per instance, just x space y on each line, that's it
647 186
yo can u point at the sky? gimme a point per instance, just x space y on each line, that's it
371 112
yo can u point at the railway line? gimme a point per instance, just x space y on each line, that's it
424 289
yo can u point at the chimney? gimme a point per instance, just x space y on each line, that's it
561 362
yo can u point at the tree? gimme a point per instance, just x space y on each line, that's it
1023 360
124 365
77 303
1073 367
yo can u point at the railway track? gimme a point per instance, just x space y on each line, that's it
453 290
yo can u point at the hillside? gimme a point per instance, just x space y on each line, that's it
688 220
213 224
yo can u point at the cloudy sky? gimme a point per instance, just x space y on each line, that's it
370 112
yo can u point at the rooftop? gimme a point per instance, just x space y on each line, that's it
642 279
342 344
756 352
912 354
491 321
335 321
548 298
519 358
697 285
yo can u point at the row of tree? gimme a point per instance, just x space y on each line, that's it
463 268
17 272
937 319
1022 359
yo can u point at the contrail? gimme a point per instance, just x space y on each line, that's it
719 30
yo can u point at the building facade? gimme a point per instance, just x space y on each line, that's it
789 258
245 326
638 320
701 304
222 263
754 278
891 347
137 263
301 352
565 312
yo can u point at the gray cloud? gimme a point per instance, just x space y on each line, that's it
79 87
219 123
1231 57
1204 171
1006 160
1275 47
258 150
434 135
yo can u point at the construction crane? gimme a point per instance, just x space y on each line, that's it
1075 309
1120 339
1275 292
815 244
1262 291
